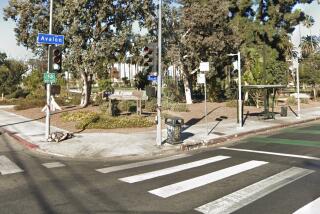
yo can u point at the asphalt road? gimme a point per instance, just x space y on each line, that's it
276 173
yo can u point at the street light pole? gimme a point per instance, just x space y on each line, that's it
159 131
47 131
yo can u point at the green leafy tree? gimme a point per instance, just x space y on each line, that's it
11 72
309 45
94 31
310 72
201 31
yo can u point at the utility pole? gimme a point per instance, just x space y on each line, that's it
159 131
47 131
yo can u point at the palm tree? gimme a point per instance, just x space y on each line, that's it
308 45
308 23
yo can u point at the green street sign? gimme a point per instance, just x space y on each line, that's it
49 78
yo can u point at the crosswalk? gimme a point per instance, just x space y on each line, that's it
8 166
218 168
230 202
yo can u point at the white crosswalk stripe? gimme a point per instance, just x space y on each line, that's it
236 200
7 166
53 165
311 208
139 164
193 183
170 170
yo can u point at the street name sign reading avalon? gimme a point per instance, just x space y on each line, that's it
50 39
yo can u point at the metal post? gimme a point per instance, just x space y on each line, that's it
239 89
47 131
205 104
159 133
298 91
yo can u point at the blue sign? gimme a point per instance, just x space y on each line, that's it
50 39
152 78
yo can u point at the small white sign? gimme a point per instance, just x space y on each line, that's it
201 78
204 66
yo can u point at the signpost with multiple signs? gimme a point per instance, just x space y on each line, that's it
50 78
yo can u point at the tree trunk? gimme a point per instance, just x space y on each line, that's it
314 93
187 89
86 90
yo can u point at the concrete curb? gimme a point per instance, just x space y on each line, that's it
183 147
202 144
21 141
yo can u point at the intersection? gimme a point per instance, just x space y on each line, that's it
260 174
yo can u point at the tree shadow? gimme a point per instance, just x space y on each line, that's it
293 111
194 121
219 120
40 118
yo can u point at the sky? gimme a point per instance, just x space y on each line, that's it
8 43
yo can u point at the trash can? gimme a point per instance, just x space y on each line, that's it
174 125
284 111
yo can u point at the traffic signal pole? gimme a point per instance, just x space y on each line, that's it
159 133
47 131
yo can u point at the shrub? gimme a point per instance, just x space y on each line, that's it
108 122
304 100
8 102
292 101
177 107
77 116
151 105
29 103
90 119
19 93
127 106
232 104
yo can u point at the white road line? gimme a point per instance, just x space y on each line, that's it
138 164
7 166
170 170
193 183
236 200
271 153
53 165
311 208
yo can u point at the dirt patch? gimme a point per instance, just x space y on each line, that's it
194 116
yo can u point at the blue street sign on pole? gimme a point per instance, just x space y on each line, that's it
152 78
50 39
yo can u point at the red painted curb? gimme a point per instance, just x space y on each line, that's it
21 140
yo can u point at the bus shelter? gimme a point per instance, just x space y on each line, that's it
268 91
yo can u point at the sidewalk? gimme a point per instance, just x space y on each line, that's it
106 145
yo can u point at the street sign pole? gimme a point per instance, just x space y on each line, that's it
47 131
205 104
204 67
159 133
239 89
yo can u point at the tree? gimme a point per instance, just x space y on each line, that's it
201 32
310 71
308 23
94 30
309 44
11 72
